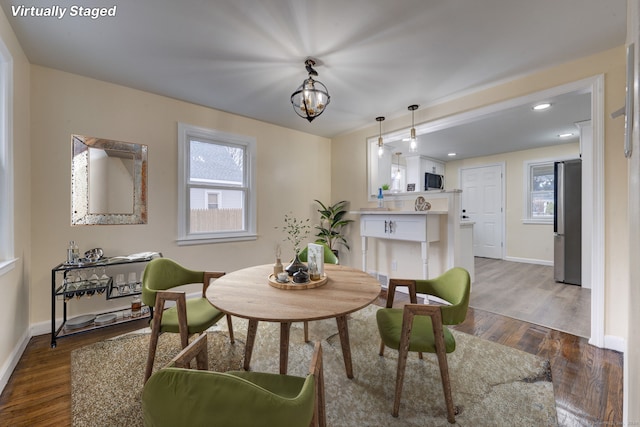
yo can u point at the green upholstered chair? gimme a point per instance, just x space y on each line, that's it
175 396
188 316
329 258
419 327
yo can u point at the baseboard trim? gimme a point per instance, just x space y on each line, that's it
529 261
13 359
616 343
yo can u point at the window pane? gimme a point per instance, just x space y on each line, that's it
216 163
542 178
542 204
229 215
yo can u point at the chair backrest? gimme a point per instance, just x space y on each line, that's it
163 273
454 286
329 256
177 396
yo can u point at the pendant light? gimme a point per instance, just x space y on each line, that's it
413 144
312 97
380 143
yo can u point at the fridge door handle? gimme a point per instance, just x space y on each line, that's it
559 225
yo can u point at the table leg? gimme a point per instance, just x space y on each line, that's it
285 328
251 338
343 331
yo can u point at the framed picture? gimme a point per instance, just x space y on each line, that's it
411 187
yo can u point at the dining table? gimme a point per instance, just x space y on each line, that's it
248 294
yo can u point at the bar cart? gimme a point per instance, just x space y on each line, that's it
71 281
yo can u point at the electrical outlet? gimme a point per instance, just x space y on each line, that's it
394 265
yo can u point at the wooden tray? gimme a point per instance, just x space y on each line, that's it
292 285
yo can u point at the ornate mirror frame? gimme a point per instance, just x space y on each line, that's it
80 177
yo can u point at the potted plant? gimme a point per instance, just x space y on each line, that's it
332 222
297 231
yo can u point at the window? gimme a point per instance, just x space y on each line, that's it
213 200
539 204
7 260
215 167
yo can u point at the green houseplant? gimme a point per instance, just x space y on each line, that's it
332 222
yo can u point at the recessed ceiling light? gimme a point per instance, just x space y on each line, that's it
451 154
541 106
565 135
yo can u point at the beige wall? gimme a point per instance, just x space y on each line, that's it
65 104
14 285
349 156
526 242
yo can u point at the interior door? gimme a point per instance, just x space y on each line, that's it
481 201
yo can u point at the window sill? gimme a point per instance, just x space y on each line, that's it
538 221
7 266
186 241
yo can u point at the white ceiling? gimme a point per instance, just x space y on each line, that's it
376 56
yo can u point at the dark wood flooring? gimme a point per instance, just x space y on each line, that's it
587 380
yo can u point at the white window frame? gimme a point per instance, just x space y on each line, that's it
185 133
7 238
526 209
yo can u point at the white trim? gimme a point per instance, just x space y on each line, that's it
596 210
529 261
7 205
7 265
526 191
185 132
616 343
12 361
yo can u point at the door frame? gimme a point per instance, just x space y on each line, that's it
503 230
593 168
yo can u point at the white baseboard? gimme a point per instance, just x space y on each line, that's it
616 343
529 261
12 360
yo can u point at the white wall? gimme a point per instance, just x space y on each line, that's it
14 285
530 242
349 160
65 104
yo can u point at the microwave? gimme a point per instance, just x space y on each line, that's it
433 181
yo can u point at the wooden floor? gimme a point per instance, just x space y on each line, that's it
528 292
587 381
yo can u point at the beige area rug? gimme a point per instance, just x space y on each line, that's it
493 385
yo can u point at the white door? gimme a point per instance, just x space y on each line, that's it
481 202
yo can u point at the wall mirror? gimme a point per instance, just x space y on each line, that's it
108 182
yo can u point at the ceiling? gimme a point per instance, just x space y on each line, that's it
376 57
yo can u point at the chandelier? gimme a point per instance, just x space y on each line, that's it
311 97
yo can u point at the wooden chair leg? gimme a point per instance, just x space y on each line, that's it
306 331
230 327
402 364
381 353
153 339
446 384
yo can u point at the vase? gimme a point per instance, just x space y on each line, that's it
296 265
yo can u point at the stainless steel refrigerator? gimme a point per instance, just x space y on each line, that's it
567 222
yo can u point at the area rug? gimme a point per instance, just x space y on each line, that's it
492 385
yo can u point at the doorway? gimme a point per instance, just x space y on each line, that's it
482 202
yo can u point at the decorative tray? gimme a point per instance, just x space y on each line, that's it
292 285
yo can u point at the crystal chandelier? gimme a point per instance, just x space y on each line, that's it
312 97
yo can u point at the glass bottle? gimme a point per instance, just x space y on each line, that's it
380 198
136 306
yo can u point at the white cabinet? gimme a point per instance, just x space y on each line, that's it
415 228
423 227
417 166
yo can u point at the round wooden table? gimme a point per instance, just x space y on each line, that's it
247 293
